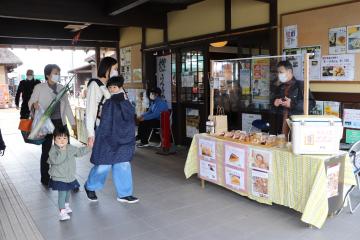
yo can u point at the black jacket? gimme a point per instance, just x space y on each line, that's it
296 94
25 88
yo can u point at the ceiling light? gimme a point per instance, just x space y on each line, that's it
219 44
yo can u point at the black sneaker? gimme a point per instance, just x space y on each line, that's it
75 190
91 195
128 199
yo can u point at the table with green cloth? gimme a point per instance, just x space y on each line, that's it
296 181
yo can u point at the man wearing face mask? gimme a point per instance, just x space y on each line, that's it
288 98
25 89
151 119
42 96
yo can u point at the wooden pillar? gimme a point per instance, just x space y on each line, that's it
227 15
273 31
97 57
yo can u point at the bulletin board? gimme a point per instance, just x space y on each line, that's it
131 66
313 28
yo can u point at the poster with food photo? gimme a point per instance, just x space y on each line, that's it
261 159
235 155
208 170
338 67
333 173
260 183
337 40
207 149
235 179
353 39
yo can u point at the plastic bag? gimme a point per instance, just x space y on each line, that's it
47 128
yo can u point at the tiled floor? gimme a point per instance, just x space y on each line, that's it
171 207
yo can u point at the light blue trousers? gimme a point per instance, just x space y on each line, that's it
121 174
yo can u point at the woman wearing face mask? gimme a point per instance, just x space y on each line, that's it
42 96
97 94
288 98
151 119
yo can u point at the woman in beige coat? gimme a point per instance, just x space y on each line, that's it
42 96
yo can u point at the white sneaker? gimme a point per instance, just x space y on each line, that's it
63 215
67 208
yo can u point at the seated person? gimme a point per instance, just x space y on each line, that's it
151 119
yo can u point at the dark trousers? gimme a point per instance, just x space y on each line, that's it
46 146
145 127
24 112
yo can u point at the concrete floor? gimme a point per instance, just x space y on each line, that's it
170 207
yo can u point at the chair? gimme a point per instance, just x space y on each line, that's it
354 154
158 131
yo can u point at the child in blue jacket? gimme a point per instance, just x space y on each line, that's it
114 145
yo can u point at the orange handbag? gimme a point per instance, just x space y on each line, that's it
25 125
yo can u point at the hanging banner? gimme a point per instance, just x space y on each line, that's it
163 77
338 67
337 40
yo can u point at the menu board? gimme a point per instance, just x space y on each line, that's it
235 165
207 159
338 67
337 40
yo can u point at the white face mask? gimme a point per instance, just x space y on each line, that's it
114 73
29 77
282 77
55 78
152 96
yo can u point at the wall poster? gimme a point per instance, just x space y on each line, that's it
338 67
261 80
291 36
353 39
125 63
337 40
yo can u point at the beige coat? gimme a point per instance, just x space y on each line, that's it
44 95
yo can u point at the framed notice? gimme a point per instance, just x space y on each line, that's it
351 118
337 40
353 39
235 165
338 67
207 159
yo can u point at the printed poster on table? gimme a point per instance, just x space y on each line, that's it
333 173
207 159
353 39
352 136
337 40
261 159
235 166
261 80
332 108
260 183
351 118
338 67
163 77
290 36
245 76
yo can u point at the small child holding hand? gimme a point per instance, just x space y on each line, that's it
63 168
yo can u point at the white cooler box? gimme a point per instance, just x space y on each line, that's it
315 134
